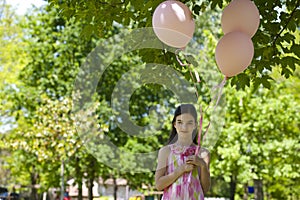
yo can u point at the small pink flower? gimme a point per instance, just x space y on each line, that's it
189 151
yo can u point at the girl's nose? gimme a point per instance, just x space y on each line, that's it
183 126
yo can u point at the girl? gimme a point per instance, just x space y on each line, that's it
181 174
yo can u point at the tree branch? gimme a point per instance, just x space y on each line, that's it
112 4
288 21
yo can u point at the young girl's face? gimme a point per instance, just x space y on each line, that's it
185 124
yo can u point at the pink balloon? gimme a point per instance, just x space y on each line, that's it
240 15
173 23
234 53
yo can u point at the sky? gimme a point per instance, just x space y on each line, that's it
21 6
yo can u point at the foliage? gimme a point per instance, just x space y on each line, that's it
259 140
40 104
12 59
276 34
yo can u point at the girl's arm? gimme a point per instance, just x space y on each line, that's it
203 164
205 173
163 180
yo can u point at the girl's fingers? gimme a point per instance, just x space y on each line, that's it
191 159
188 167
194 160
191 162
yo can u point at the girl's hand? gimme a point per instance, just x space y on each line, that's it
196 161
187 167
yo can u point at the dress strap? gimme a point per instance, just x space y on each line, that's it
182 150
176 149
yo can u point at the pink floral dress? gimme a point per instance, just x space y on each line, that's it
188 186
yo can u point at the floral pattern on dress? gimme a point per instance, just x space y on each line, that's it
187 186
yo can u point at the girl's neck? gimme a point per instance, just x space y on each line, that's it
183 142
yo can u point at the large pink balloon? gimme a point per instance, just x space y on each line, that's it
173 23
240 15
234 53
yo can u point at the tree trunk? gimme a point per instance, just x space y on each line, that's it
232 187
245 196
62 184
34 180
258 189
115 188
91 185
79 179
79 190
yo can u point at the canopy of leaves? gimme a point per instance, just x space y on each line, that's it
259 140
279 25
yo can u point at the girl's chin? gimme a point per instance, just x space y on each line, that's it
185 133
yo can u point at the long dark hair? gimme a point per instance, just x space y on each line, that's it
183 108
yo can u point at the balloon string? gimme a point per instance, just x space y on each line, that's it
217 97
177 58
190 70
197 94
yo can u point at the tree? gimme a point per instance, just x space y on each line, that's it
258 142
27 100
275 35
54 55
12 59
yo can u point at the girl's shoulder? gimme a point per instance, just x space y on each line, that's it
203 149
165 151
165 148
204 152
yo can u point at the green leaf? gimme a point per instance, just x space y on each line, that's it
243 80
295 48
265 82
